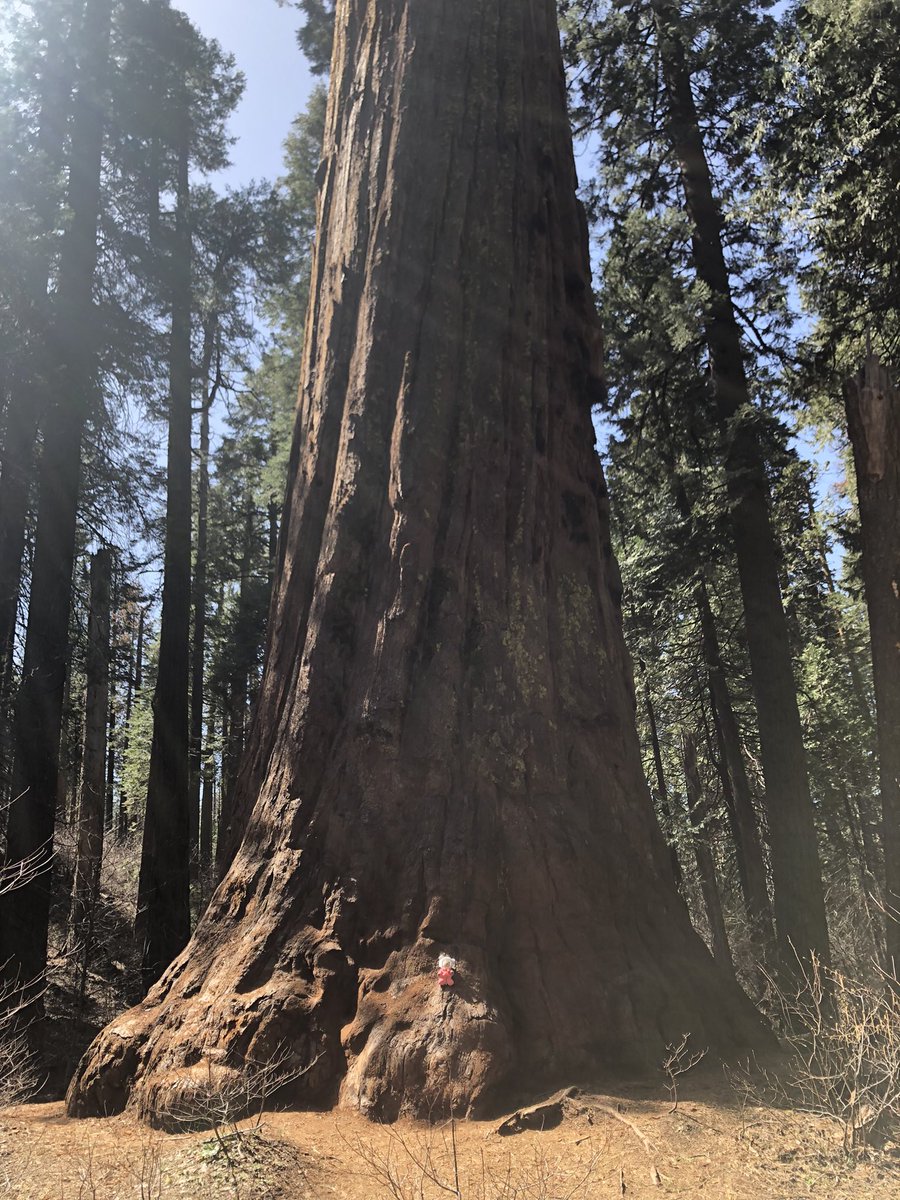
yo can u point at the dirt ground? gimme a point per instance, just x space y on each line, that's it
712 1145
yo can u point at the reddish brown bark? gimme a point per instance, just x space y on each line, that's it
873 419
445 757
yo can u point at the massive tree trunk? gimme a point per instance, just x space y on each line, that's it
873 419
73 362
163 920
445 757
799 903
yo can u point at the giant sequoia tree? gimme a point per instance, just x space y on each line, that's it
444 757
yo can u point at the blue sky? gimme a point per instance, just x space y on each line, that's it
262 37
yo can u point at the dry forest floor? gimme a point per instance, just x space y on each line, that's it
628 1143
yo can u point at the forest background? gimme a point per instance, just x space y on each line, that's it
151 322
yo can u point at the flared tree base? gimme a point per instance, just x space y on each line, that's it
370 1027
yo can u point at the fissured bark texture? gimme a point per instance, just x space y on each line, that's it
444 758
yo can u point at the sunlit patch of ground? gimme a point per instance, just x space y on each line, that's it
712 1145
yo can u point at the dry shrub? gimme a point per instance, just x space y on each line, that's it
19 1078
680 1058
843 1041
146 1171
218 1097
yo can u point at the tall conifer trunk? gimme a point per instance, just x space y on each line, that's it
135 682
444 758
239 687
206 822
109 813
26 380
706 867
745 827
72 351
800 921
90 820
198 604
163 923
873 419
662 790
748 844
15 473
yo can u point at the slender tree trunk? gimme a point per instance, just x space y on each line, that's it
239 688
67 779
706 869
232 752
18 465
27 380
739 795
135 682
18 456
163 921
445 758
39 705
868 822
748 845
274 509
90 821
139 653
800 920
854 666
873 421
198 603
662 789
109 815
206 820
